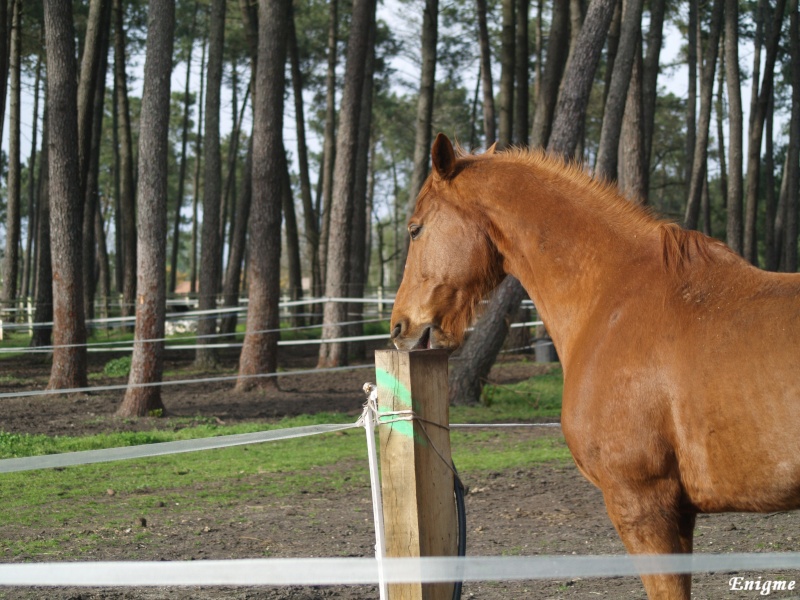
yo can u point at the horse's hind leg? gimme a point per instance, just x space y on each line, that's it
649 522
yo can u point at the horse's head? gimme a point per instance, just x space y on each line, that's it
452 263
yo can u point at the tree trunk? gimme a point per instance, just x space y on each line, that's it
473 114
370 216
780 215
470 368
719 110
127 190
758 45
757 118
33 202
227 213
310 216
481 348
360 224
227 217
260 350
700 164
43 313
292 242
538 48
575 23
234 282
198 161
176 222
557 50
770 201
489 126
233 272
91 58
211 257
573 99
249 12
521 60
117 178
422 127
705 206
4 35
338 269
793 160
14 197
230 290
66 208
650 70
631 148
103 269
329 143
613 47
507 56
147 363
630 34
91 193
691 100
735 127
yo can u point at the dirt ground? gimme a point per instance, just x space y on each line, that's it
548 509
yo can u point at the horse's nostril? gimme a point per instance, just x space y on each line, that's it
398 328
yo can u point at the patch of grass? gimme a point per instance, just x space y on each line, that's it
15 338
118 367
99 334
491 451
381 327
537 397
187 372
11 379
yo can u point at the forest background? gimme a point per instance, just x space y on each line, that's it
243 149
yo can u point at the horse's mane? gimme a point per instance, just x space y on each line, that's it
678 246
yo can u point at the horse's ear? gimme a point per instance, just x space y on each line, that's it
491 149
443 157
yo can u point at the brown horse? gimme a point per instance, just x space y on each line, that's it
681 390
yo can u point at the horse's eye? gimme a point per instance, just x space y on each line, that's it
414 230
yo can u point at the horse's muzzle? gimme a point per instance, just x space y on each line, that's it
403 341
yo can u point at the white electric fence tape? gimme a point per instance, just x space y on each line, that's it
86 457
116 346
169 382
362 571
242 308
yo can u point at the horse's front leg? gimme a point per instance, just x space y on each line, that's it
649 521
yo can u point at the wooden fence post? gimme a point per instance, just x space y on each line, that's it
416 482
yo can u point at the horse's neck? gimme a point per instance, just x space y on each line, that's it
570 258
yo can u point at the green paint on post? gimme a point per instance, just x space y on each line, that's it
403 396
401 392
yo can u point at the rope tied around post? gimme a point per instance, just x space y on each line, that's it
410 415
